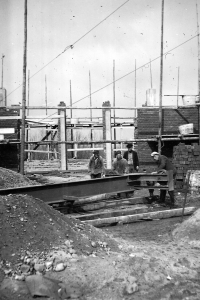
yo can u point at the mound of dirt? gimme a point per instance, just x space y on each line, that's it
29 224
189 229
11 179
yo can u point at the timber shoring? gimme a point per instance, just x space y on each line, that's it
143 216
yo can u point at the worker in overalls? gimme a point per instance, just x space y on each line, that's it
165 166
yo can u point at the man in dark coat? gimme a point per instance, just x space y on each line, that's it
165 166
132 159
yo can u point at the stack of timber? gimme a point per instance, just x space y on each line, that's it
106 210
185 157
71 204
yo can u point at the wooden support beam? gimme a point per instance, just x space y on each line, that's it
85 108
40 151
43 139
95 198
160 187
143 216
135 210
113 203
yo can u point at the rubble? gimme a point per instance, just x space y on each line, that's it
46 254
11 179
189 230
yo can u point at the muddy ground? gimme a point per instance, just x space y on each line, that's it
141 260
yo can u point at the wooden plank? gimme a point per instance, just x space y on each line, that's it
10 118
70 198
152 187
148 216
147 177
84 149
7 130
98 197
114 213
40 151
114 203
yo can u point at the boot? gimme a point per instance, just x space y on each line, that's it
151 194
172 200
162 196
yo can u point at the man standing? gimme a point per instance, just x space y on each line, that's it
165 166
120 165
96 165
132 159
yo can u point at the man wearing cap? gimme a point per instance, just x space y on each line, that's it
165 166
96 165
120 165
132 159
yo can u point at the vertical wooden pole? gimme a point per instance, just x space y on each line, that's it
28 129
63 135
70 87
71 115
151 75
161 81
46 94
90 97
106 117
178 88
28 92
47 128
114 104
198 67
135 100
2 71
90 92
22 156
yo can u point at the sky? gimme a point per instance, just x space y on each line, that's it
128 35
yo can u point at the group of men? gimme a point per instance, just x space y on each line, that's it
129 163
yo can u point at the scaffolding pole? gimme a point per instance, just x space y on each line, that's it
161 80
198 67
22 152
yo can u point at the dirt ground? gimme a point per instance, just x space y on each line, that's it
142 260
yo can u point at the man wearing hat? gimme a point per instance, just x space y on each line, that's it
96 165
132 159
120 165
165 166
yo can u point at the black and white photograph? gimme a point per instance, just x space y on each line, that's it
100 149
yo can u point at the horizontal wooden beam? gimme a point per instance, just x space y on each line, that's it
7 130
114 213
90 107
102 141
165 214
40 151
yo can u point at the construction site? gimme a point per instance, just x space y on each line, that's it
67 232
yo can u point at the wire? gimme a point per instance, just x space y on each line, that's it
71 46
134 70
100 22
126 74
